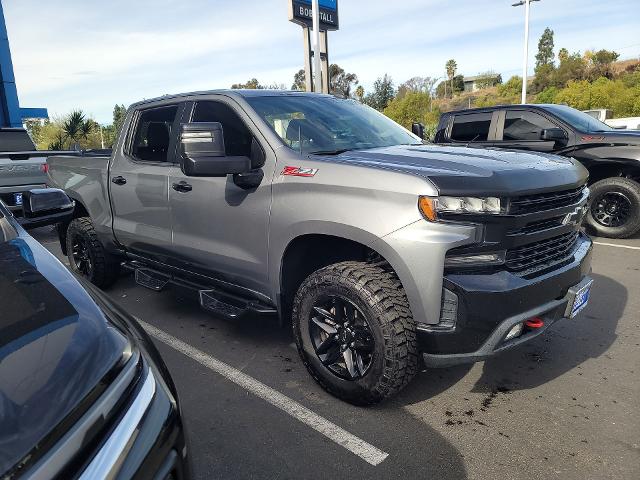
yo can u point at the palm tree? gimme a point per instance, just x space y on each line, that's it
73 126
360 93
451 67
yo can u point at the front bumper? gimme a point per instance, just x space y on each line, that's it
489 305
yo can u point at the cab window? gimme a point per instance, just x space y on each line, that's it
153 134
237 137
523 125
471 127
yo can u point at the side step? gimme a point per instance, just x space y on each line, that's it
151 279
216 300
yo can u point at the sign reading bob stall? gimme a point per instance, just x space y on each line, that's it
300 13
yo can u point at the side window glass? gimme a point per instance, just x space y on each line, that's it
153 134
522 125
471 127
237 137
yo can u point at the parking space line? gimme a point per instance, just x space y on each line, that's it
355 445
616 245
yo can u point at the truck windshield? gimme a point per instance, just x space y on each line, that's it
328 125
577 119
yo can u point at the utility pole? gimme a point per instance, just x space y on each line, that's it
317 71
527 4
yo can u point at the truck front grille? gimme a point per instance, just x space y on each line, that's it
540 254
544 201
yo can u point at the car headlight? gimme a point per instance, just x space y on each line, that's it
431 206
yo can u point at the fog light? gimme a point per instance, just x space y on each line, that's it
515 331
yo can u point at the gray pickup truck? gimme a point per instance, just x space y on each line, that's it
22 167
381 250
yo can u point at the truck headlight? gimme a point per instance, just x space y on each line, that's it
430 206
475 259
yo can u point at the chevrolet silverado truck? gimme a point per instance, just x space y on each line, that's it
381 250
612 156
22 168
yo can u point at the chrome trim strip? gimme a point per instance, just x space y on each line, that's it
107 462
55 460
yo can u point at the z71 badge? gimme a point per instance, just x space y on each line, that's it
299 171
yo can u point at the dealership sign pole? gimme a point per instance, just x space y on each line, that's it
319 16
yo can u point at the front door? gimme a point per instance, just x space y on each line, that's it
220 229
139 183
521 129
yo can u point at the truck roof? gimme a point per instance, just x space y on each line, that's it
518 106
233 93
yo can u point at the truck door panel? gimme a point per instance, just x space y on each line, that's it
219 228
139 183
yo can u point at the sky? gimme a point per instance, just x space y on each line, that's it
92 54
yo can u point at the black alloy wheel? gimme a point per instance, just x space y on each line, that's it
80 256
341 337
612 209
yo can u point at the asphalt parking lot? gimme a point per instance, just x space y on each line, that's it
563 406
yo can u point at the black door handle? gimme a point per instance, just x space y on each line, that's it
119 180
183 187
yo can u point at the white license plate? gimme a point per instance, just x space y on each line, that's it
18 199
581 299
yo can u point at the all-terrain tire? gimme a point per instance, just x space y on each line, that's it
104 269
630 189
378 294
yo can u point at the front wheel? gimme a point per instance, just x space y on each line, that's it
355 333
87 256
614 207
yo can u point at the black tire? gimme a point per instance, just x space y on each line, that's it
628 191
378 294
94 264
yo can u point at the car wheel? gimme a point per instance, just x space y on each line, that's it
87 256
354 331
614 207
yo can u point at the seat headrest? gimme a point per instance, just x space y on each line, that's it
158 135
298 129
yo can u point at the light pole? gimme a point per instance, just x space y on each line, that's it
317 73
526 4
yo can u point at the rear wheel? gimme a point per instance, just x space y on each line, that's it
614 207
87 256
354 331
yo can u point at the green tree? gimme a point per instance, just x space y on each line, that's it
341 82
414 107
415 85
451 66
383 93
602 61
252 84
545 49
299 81
571 67
488 79
360 93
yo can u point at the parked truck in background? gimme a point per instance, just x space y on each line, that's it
22 168
606 116
378 248
612 156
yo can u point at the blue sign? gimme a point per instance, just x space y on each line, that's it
328 4
300 12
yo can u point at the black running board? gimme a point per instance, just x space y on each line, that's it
213 299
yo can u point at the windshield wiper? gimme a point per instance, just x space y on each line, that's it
331 152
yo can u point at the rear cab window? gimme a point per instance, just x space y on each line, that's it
471 127
153 133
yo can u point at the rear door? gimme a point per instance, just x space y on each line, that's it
139 182
220 229
521 129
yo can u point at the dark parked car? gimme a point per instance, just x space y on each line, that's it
83 392
611 156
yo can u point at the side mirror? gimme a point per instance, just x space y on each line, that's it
202 152
553 134
45 206
418 129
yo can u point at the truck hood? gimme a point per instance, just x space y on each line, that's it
56 347
473 171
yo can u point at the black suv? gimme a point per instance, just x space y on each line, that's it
611 156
